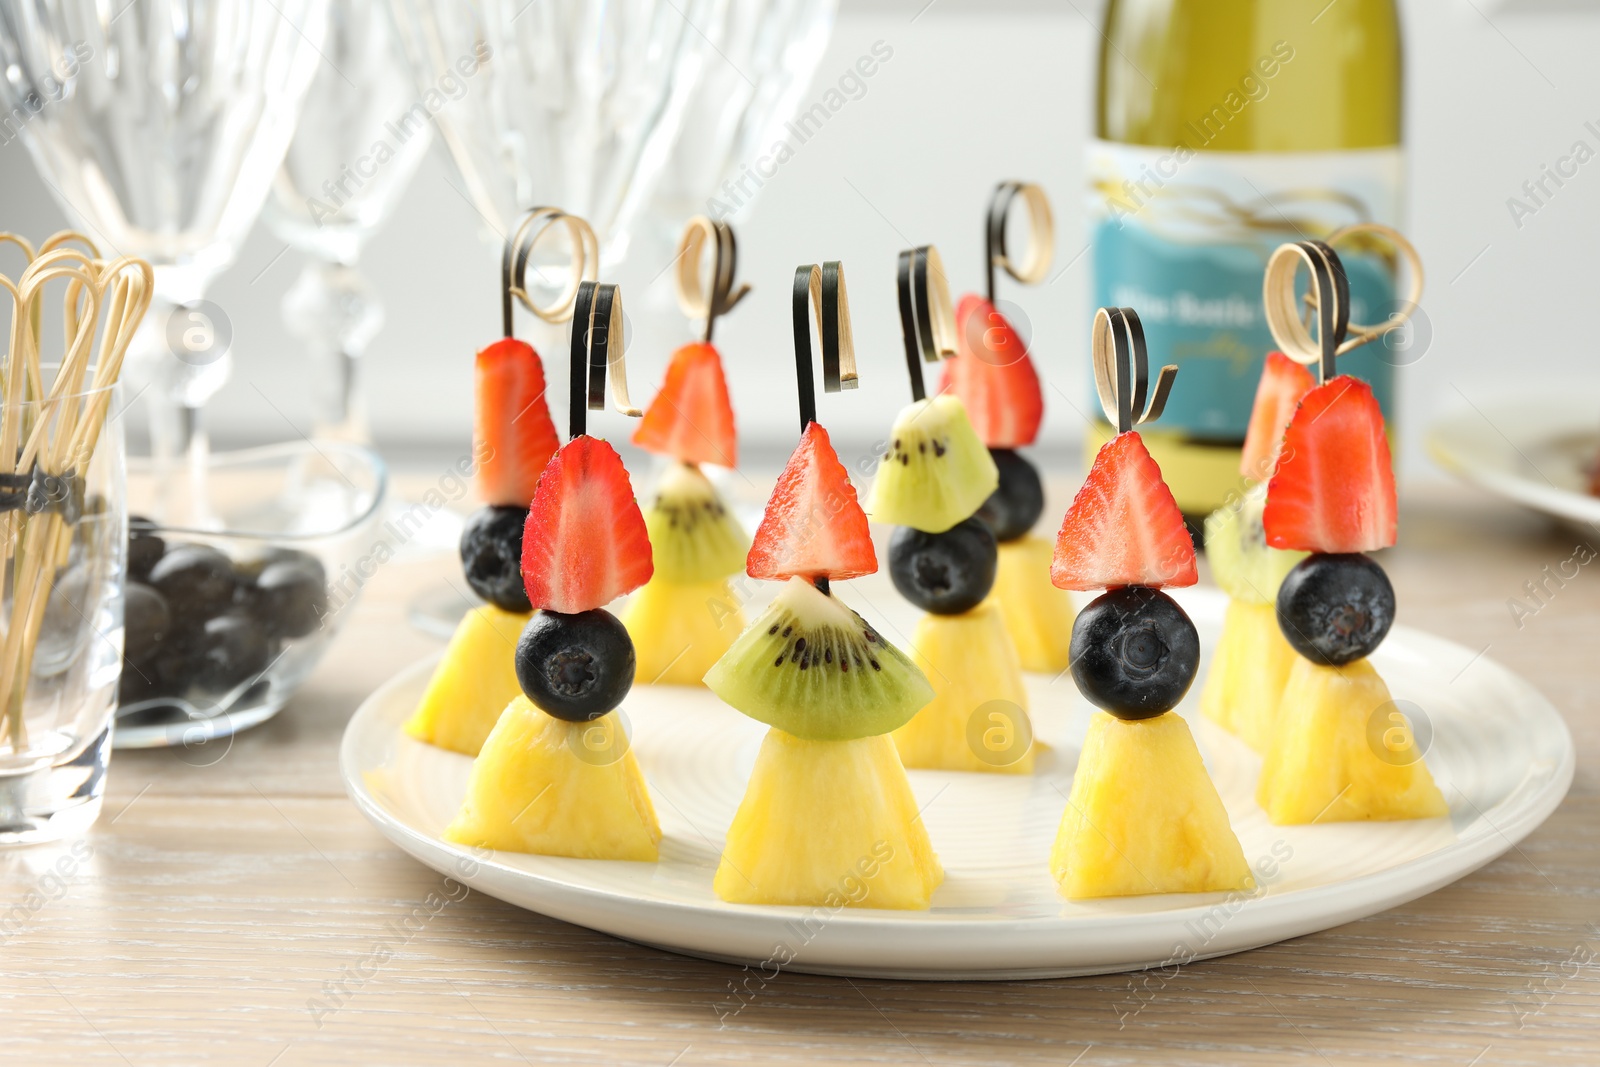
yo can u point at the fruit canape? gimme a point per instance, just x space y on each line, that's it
513 437
942 558
828 809
556 776
1251 663
685 617
1143 816
1340 748
995 378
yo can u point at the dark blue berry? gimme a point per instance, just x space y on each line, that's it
1335 608
197 582
233 649
1016 505
1134 652
145 547
491 555
944 573
145 623
575 667
290 595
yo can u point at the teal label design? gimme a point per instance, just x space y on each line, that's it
1188 254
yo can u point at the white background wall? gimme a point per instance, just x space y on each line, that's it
975 92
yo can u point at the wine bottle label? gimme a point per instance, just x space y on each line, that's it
1183 238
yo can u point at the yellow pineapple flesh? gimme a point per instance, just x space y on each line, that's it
978 718
1342 751
473 683
680 630
557 788
828 824
1144 816
1038 615
1248 672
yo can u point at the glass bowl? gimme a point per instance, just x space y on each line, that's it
224 621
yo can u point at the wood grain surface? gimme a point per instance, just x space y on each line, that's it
231 907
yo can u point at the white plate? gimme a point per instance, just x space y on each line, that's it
1499 750
1537 455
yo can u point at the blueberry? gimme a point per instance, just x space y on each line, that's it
233 649
1334 608
290 596
1134 652
1016 505
945 573
197 582
575 667
145 547
491 554
146 623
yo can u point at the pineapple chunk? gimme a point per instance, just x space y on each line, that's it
1248 673
1144 816
1038 615
1324 763
828 824
679 631
978 718
557 788
473 683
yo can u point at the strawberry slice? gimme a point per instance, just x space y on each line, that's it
994 377
813 526
585 543
1123 528
512 435
1334 487
1283 383
691 417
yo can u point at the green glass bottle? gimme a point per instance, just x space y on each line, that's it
1224 128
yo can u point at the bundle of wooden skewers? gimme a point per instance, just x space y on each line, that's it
51 416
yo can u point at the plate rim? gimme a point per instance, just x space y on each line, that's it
1548 499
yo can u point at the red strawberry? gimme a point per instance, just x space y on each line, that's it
512 434
1283 383
812 526
994 377
691 417
585 543
1123 528
1334 487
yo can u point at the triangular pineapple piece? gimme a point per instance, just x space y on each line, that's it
1324 764
557 788
1248 672
828 824
1144 816
1038 615
978 719
473 683
679 631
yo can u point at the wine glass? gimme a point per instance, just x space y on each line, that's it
158 125
356 148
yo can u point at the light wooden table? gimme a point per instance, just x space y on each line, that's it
231 890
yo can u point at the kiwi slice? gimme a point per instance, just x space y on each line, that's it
693 537
1236 545
936 472
813 668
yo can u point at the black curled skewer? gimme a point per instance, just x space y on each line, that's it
696 300
597 344
1041 246
1327 298
927 321
822 290
1122 370
531 229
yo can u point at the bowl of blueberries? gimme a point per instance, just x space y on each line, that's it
224 618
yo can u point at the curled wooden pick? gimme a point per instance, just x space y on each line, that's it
597 344
1122 370
822 290
927 319
1329 297
1041 234
697 300
533 228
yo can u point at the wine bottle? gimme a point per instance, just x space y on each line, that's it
1224 128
